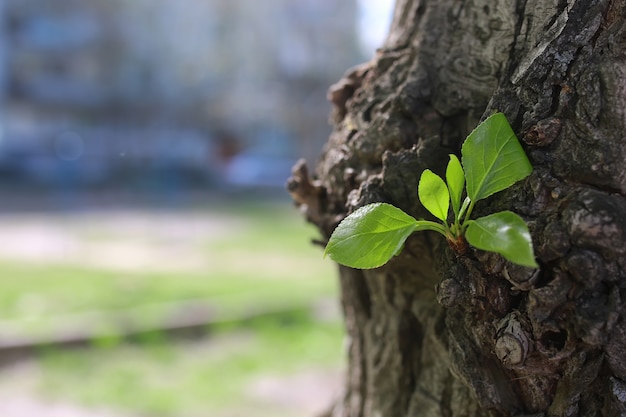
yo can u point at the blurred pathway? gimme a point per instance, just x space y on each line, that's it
29 407
120 240
307 393
19 397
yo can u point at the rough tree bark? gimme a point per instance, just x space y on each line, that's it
436 334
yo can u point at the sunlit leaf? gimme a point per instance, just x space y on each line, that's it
370 236
456 182
505 233
433 194
493 158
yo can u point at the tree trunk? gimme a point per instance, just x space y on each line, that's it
436 334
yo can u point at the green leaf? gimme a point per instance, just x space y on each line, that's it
370 236
493 158
505 233
456 182
433 194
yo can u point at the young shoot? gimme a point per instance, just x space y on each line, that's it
492 160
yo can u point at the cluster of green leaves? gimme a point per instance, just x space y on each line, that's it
492 160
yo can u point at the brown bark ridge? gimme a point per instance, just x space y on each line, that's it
436 334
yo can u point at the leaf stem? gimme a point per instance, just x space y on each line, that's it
428 225
464 206
468 213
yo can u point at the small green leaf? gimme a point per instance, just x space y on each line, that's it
505 233
493 158
456 182
370 236
433 194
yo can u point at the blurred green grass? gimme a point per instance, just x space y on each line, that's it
193 378
267 260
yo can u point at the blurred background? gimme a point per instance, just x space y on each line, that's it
151 262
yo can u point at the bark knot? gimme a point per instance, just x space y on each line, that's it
512 341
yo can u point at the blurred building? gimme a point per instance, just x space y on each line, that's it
102 68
